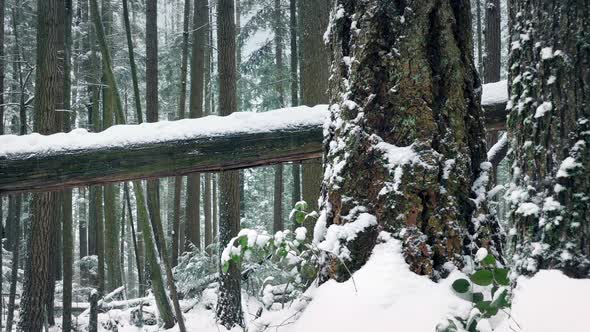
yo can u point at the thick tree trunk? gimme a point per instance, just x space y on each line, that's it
314 71
43 220
229 305
549 133
406 111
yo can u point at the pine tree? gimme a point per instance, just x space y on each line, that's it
47 89
314 71
229 305
181 113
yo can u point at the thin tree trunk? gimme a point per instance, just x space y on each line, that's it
138 264
111 227
2 69
493 52
207 199
296 167
479 38
314 71
181 114
134 79
16 222
67 231
82 225
151 251
193 227
278 223
229 305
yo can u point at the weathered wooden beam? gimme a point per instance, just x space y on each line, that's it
494 98
57 170
45 163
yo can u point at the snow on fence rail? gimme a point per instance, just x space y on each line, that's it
169 148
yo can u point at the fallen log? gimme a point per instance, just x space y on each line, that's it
243 140
163 149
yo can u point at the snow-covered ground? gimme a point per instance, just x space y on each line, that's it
386 296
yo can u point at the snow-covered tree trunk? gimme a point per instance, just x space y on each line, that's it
549 129
405 108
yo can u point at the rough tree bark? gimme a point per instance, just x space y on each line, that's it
296 167
193 201
181 113
314 71
47 121
67 211
405 108
493 40
111 226
229 305
278 224
549 132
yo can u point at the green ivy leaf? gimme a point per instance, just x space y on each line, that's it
489 260
487 308
300 217
501 300
243 242
225 266
482 277
501 276
282 252
477 297
461 286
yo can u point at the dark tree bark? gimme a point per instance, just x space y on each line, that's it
278 223
16 222
193 202
48 87
82 224
296 167
314 71
181 113
549 133
132 65
111 225
479 38
2 68
399 113
67 228
493 40
229 305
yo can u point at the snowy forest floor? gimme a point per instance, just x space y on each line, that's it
386 296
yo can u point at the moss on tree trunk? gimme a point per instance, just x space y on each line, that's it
406 111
